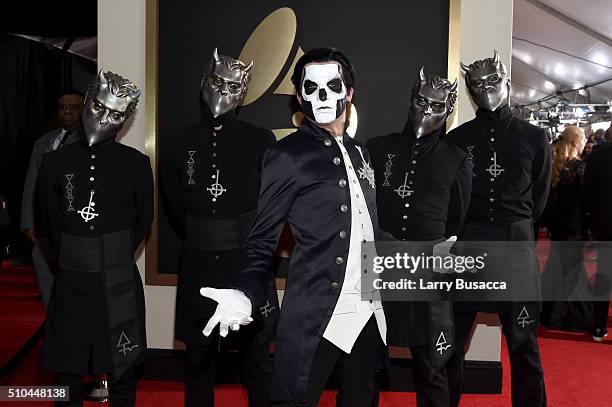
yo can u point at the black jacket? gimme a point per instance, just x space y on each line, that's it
566 204
303 185
96 316
523 152
503 207
186 171
438 180
598 191
439 183
121 177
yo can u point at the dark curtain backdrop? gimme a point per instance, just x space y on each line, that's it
386 41
32 78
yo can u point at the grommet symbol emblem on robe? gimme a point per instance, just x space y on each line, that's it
190 166
388 166
89 212
69 191
404 190
470 158
441 344
327 142
524 319
267 309
123 345
216 189
494 169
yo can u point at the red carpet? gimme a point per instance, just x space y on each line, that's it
576 370
21 311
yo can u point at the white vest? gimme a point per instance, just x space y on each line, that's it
351 312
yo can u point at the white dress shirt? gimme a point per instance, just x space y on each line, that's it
354 308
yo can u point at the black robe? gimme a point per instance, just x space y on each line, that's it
503 208
83 333
423 192
520 192
439 182
303 182
212 230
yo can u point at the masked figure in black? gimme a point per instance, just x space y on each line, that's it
96 200
210 182
511 168
319 181
423 191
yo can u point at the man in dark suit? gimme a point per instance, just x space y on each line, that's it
423 192
511 167
69 119
210 181
96 199
598 191
320 181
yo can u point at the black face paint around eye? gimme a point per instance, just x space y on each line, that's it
310 87
335 85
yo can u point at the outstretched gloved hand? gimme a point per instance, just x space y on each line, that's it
233 309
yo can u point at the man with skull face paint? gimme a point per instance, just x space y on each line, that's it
511 167
319 180
96 199
210 182
423 191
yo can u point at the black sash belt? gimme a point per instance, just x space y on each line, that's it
92 255
111 256
218 233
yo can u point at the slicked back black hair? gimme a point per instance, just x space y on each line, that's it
324 54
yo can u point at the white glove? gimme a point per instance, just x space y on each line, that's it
233 309
442 250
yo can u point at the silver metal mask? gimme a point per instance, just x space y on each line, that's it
224 83
488 83
433 100
110 100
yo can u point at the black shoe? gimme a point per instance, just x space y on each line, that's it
599 334
97 391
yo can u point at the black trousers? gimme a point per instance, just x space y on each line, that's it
256 372
356 371
525 365
121 393
429 393
603 286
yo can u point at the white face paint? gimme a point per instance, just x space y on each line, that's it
323 92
